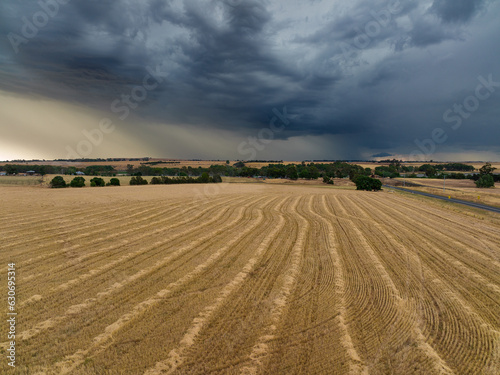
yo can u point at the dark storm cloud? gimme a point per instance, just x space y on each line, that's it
65 59
366 69
428 32
456 10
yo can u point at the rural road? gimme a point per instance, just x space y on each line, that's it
471 204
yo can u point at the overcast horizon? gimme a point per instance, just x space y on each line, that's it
250 79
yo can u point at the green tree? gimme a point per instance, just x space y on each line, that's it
156 181
384 171
395 164
217 178
429 170
486 169
204 178
99 170
305 173
138 180
485 181
71 170
10 169
114 182
367 183
291 172
314 173
77 182
58 182
97 181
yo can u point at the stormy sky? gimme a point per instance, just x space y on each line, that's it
250 79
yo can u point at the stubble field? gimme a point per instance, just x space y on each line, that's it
249 279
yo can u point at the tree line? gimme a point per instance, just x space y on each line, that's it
60 182
240 169
310 171
77 182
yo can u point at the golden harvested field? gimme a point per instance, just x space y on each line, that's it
249 279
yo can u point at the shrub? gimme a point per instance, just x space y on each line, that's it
58 182
77 182
114 182
156 181
327 180
138 180
367 183
204 178
485 181
217 178
97 181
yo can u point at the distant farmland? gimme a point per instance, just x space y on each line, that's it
250 279
459 189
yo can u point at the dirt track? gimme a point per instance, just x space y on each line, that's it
250 279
